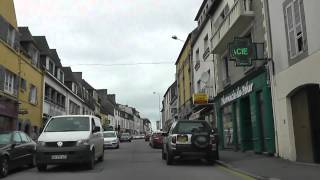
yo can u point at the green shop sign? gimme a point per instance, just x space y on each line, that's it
242 51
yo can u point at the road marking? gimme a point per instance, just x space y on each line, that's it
241 175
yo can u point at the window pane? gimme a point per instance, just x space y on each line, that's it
297 15
16 138
292 40
289 17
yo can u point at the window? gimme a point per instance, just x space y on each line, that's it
60 75
50 66
33 94
16 138
24 138
226 67
206 42
23 84
34 54
294 24
9 82
11 36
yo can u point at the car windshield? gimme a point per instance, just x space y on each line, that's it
62 124
190 127
109 134
5 138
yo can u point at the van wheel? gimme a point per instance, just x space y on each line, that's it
4 165
92 160
101 158
42 167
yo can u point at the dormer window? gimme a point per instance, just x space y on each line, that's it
34 54
61 75
11 36
74 88
50 66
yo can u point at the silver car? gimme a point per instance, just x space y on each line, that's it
111 139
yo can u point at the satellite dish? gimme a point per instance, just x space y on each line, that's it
205 77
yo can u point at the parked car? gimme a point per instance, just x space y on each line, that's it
190 138
125 137
156 139
70 139
111 139
16 149
147 137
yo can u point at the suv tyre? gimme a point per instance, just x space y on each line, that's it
169 158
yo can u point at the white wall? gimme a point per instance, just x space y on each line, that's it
205 65
289 78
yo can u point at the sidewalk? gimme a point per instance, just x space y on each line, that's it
266 167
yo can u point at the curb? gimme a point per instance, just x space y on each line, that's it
226 165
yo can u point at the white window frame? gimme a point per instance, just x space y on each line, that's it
33 94
11 36
293 29
9 81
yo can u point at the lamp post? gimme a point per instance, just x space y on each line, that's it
176 38
155 93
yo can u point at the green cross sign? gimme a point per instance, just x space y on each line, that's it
242 51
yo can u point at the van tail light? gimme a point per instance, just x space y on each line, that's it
174 140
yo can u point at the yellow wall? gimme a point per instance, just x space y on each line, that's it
184 79
33 76
8 12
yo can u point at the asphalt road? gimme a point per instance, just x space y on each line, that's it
133 161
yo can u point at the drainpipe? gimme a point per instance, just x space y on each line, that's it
270 66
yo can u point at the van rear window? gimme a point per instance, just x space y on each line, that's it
64 124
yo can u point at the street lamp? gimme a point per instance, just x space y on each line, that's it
176 38
155 93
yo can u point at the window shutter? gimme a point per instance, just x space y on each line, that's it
291 33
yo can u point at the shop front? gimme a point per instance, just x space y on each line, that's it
8 113
244 115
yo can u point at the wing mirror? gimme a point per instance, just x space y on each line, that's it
96 129
165 134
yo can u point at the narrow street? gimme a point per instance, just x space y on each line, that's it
134 161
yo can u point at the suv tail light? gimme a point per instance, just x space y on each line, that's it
174 140
213 140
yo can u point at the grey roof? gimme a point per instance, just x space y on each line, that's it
86 85
106 105
25 34
55 57
68 74
42 44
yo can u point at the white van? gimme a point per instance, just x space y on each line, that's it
70 139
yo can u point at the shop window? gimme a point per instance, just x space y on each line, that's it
227 126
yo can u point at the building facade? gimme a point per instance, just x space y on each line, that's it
20 75
294 30
243 103
184 80
169 111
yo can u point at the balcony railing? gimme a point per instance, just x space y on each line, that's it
236 21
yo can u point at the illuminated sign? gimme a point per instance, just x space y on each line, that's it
242 51
200 98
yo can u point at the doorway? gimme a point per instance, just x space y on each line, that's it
305 104
247 143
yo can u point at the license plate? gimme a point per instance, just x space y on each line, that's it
182 139
58 157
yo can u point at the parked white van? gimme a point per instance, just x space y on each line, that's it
70 139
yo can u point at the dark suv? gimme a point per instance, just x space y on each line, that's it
190 138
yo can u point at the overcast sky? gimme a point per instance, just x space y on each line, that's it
116 32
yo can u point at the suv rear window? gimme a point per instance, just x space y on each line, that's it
190 127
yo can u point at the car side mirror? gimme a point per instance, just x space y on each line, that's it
96 129
165 134
13 145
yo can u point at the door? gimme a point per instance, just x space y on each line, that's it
302 126
246 128
99 135
28 148
17 151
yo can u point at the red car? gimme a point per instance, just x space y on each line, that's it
156 140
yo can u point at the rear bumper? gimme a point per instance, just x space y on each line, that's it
110 145
190 150
81 154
